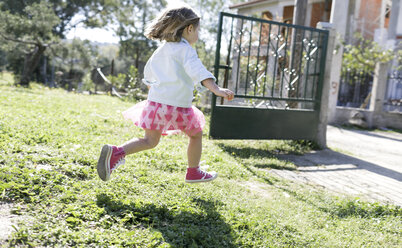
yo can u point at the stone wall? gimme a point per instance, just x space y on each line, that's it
366 118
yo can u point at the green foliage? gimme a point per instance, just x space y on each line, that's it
26 35
399 60
26 31
356 207
363 56
29 28
118 81
72 60
133 87
6 78
47 170
131 17
129 83
95 12
105 55
87 84
80 53
33 25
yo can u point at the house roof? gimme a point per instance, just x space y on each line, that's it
247 4
253 3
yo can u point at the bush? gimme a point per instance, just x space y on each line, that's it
364 55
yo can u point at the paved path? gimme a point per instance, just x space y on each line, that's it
367 164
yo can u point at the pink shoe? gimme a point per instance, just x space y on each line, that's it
196 175
111 157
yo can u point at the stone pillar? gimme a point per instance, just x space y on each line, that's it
393 25
321 137
393 19
378 94
299 13
339 18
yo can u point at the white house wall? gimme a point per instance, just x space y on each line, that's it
276 9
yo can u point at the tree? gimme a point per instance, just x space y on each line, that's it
30 32
74 58
364 55
131 18
209 12
30 27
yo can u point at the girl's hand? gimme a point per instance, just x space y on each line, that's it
225 93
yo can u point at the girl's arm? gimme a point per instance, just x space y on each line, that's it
212 86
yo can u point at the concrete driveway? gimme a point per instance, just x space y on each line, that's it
361 163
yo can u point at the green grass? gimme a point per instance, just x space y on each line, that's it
49 145
6 78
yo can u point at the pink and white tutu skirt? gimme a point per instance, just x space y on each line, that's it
169 119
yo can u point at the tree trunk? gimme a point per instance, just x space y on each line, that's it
30 64
137 58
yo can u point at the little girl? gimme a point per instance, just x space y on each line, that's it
170 74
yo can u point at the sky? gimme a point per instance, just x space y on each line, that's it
102 35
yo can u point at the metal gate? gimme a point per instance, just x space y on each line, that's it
393 97
276 71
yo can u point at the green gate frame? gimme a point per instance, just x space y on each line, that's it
239 122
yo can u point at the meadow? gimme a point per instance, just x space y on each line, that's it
50 141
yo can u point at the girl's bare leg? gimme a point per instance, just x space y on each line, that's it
194 173
194 150
150 140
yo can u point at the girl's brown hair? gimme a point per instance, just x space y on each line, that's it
170 25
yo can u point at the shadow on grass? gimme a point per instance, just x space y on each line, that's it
249 152
245 152
179 228
274 166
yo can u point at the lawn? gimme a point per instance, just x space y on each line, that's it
49 145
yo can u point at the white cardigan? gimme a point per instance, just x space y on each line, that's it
172 71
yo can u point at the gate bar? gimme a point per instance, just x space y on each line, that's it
248 59
267 60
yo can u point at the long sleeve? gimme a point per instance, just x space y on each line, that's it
173 71
195 69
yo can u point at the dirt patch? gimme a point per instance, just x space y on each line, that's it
7 220
257 188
